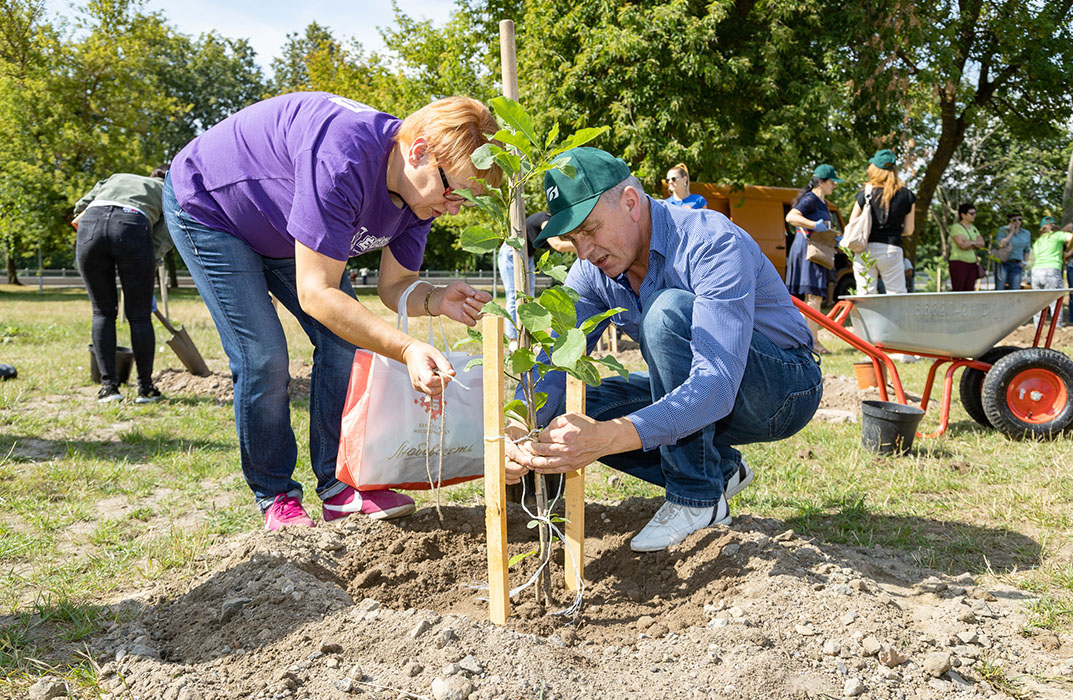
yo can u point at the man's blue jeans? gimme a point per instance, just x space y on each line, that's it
235 283
778 396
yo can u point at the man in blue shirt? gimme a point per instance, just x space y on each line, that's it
729 359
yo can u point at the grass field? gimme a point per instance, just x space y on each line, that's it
96 500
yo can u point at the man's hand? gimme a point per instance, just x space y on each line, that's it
460 302
429 369
518 454
573 441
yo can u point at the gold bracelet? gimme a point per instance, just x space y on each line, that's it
428 312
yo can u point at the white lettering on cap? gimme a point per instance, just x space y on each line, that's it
552 192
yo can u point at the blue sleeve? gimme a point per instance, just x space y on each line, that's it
724 281
700 202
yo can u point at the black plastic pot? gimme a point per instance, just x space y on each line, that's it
887 427
124 361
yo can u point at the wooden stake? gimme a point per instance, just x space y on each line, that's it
495 459
575 498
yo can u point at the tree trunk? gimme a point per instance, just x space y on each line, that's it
1067 194
12 276
951 136
173 277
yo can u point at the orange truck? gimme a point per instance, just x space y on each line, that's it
762 212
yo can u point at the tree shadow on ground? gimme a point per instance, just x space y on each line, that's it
133 446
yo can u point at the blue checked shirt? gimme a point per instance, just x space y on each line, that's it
738 291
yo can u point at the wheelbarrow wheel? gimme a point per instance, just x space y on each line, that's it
1029 393
972 381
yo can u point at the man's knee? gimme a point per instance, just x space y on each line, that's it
668 308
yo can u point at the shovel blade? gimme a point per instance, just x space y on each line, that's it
188 353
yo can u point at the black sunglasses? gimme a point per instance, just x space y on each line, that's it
677 178
448 191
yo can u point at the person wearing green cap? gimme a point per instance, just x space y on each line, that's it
1047 253
891 205
809 214
729 357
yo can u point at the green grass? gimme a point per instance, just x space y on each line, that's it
95 500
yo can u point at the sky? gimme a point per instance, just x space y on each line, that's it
266 23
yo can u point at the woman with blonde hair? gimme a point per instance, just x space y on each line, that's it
892 206
272 202
678 181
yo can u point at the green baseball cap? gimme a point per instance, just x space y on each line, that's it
883 159
1048 220
826 172
571 199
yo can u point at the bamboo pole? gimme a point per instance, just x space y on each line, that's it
575 498
495 476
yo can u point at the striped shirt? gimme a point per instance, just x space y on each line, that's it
737 292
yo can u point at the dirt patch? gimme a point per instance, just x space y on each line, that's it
746 611
218 385
1023 336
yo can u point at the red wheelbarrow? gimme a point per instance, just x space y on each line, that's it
1023 392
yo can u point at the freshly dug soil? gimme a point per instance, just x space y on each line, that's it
394 610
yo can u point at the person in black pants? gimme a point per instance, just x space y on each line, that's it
118 223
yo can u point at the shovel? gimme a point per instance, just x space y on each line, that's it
184 347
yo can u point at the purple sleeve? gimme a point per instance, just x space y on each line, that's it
322 216
409 247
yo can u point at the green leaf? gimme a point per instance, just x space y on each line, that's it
516 117
477 239
592 321
484 156
579 138
540 398
557 273
522 360
518 557
569 348
557 301
586 372
495 309
534 317
475 362
509 162
563 165
514 242
613 364
516 409
552 135
532 523
517 140
542 337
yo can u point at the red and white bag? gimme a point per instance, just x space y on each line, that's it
391 433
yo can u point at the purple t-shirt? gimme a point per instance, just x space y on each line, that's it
308 166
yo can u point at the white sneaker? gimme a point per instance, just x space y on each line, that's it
740 479
672 523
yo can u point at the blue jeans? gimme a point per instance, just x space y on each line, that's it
235 283
506 271
778 396
1008 275
1069 283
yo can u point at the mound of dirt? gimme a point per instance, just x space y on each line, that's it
218 386
394 610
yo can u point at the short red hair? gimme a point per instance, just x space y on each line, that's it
454 127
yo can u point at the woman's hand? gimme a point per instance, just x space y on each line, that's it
429 369
458 301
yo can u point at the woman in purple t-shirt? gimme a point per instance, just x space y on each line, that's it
273 201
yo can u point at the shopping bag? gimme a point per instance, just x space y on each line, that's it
820 248
855 237
394 436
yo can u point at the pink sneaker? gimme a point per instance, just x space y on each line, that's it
286 511
378 505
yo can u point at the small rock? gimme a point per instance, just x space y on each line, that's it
412 669
445 638
231 608
870 646
613 481
859 585
47 688
891 657
937 663
331 647
849 618
658 630
853 688
784 536
960 682
718 622
346 685
569 637
355 672
731 549
645 621
471 665
967 617
451 670
332 662
805 630
843 589
967 637
831 648
452 688
736 612
420 629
